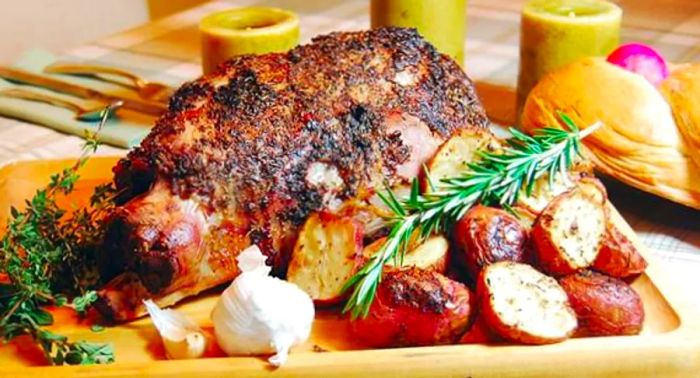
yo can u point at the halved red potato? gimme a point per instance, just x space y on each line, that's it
486 235
415 307
523 305
568 234
453 157
618 256
604 306
328 252
432 254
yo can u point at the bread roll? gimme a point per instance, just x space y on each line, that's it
682 91
639 143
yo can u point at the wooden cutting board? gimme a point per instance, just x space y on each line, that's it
668 346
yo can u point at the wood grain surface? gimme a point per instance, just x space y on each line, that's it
669 343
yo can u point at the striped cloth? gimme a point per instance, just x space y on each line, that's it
167 50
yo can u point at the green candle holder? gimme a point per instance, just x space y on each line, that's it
441 22
554 33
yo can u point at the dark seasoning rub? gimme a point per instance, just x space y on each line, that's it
418 289
242 140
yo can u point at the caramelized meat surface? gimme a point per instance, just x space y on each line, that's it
245 154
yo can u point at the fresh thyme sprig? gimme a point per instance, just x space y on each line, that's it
47 256
497 179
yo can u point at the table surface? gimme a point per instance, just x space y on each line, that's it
167 50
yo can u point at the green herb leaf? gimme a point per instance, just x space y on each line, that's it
48 256
83 302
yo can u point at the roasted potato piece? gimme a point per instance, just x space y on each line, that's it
327 253
521 304
618 257
543 193
479 333
568 234
371 249
415 307
431 254
372 217
604 305
593 188
486 235
525 217
453 157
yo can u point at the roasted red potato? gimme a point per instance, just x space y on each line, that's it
568 234
531 206
415 307
479 333
486 235
618 257
328 252
431 254
604 306
523 305
543 193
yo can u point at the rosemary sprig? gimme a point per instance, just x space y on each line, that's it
46 257
495 180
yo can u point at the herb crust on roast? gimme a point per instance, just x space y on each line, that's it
246 154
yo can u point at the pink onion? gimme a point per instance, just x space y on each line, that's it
642 59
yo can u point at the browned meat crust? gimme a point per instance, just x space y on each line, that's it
240 142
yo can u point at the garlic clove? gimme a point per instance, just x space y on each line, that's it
182 338
280 358
281 343
193 346
253 260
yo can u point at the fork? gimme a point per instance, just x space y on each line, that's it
145 89
92 114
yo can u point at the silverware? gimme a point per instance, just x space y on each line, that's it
81 113
138 105
145 89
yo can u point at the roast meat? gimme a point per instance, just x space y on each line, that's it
245 154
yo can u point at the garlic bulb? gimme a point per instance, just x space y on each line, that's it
259 314
182 338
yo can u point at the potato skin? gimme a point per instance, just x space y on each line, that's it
486 235
604 306
550 253
479 333
415 307
618 257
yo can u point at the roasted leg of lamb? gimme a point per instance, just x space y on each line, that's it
244 155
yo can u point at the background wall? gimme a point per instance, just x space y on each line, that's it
60 24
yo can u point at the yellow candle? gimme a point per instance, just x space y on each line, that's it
254 30
441 22
556 32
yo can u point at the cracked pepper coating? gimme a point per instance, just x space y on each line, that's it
233 153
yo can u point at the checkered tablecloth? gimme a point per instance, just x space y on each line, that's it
167 50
